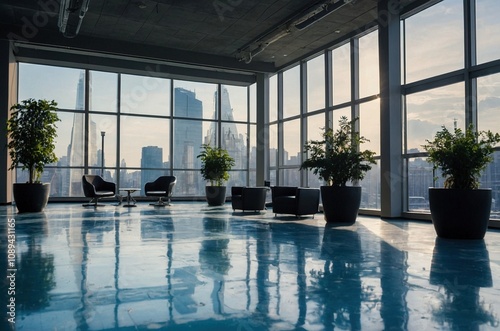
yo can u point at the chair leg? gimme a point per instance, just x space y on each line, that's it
161 203
93 203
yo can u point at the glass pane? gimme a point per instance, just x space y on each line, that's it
70 139
234 139
253 103
134 140
273 98
195 100
420 178
38 82
488 30
291 92
189 183
102 125
236 178
428 111
64 182
131 178
368 65
315 127
491 179
145 95
434 41
273 145
291 142
313 180
488 103
234 103
370 188
316 83
187 144
337 114
341 74
369 125
290 177
103 91
252 140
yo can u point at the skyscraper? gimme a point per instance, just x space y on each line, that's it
231 140
187 138
76 148
151 157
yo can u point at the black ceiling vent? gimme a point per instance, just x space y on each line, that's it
71 13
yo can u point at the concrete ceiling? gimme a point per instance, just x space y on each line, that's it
214 33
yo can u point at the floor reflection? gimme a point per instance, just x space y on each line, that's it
462 268
193 267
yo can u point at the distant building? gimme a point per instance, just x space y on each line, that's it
187 140
151 163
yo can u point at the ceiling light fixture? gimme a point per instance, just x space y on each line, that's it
71 13
304 21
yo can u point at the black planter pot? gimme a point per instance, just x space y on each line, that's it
31 198
460 214
216 195
341 203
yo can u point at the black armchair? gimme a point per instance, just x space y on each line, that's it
162 187
295 200
248 198
95 187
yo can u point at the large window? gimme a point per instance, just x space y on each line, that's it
131 129
435 51
295 128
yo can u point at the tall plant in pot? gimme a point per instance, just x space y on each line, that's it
337 159
31 130
215 166
461 210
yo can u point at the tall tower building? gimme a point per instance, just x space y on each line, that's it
188 138
151 157
76 148
230 139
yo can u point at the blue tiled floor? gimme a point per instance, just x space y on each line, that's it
195 267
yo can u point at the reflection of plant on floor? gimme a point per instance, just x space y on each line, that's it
213 253
460 269
35 272
460 308
338 285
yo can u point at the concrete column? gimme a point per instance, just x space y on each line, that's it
8 97
391 164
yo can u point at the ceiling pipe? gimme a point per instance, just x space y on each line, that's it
301 23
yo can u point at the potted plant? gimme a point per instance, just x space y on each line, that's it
338 160
215 165
461 210
31 130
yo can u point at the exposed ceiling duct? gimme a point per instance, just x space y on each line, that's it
71 13
302 22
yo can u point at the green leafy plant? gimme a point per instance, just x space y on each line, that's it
461 156
32 132
216 163
337 158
